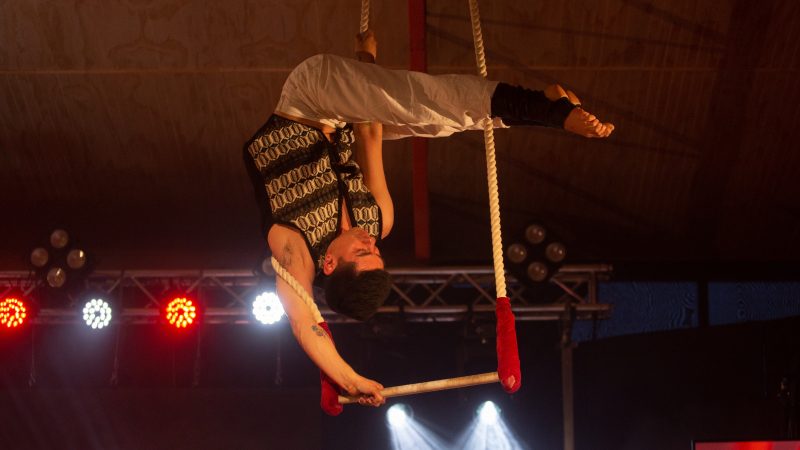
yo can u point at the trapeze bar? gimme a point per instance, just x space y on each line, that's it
431 386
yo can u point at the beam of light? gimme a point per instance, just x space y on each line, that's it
267 308
407 433
488 430
488 413
397 416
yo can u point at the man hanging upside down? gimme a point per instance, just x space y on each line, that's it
317 171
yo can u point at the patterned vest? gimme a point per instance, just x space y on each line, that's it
300 178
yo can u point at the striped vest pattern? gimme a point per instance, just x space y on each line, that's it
301 177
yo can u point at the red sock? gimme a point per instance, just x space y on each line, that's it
507 353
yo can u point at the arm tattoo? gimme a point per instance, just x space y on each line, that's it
318 330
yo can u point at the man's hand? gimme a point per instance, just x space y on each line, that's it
366 46
367 391
585 124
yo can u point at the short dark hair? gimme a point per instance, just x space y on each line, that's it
356 294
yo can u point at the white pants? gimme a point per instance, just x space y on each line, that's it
333 90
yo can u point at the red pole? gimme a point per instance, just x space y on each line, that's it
419 146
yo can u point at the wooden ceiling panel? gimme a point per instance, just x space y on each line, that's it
124 121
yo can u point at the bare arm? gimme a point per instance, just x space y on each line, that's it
290 250
368 153
369 144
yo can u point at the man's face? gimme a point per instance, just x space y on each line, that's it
354 245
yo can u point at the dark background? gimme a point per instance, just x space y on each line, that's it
122 121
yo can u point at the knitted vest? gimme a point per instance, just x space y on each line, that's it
300 179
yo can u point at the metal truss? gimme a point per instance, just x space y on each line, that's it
436 294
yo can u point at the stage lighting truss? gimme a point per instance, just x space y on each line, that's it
12 312
267 308
97 313
181 312
443 294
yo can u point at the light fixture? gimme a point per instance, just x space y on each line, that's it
516 253
12 312
39 257
537 271
76 259
535 233
59 238
62 264
181 312
97 313
555 252
56 277
537 258
267 308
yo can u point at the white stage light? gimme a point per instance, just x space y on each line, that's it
397 415
488 413
267 308
97 313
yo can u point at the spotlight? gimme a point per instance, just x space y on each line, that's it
12 312
59 239
537 271
181 312
534 260
398 415
39 257
56 277
488 413
516 253
76 259
267 308
97 313
535 233
555 252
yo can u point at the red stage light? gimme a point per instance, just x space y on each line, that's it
12 312
181 312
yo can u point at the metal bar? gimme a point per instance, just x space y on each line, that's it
431 386
419 146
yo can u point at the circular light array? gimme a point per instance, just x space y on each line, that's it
12 312
97 313
181 312
267 308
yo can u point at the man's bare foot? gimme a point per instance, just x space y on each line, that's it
587 125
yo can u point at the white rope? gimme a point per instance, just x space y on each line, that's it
364 16
294 284
491 162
